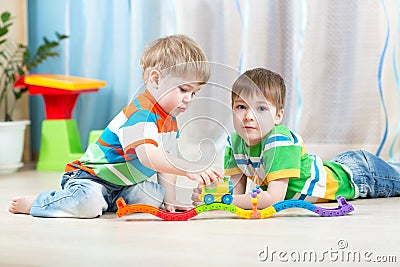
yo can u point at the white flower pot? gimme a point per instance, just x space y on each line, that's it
12 136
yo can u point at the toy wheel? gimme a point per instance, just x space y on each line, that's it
208 199
227 199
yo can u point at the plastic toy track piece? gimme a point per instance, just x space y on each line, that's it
200 209
232 209
287 204
176 216
307 205
137 208
216 206
246 214
124 209
267 212
343 209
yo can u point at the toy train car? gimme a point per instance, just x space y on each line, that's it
220 192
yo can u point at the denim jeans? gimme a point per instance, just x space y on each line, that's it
373 176
86 196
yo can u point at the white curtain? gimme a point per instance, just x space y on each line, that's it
333 55
340 60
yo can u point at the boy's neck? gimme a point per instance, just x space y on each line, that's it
147 93
258 142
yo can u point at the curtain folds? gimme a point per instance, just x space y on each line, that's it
340 60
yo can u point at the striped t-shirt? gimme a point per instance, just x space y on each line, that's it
281 154
113 158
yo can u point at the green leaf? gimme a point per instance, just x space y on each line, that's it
4 55
53 54
20 71
3 31
53 44
17 94
41 49
62 37
5 16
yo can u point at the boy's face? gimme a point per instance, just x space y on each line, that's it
176 94
254 117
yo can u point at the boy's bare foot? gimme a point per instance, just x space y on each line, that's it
21 204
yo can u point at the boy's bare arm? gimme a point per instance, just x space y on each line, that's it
276 192
157 159
239 183
168 182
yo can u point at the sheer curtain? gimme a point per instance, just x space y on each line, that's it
339 59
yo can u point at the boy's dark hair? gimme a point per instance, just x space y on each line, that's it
260 80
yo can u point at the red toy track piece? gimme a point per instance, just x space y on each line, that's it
172 216
124 209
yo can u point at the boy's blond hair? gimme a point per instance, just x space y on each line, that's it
260 80
178 54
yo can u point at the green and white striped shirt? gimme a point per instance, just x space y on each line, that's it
281 154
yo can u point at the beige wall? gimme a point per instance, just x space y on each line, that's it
18 9
19 33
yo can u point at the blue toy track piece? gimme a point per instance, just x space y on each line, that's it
293 204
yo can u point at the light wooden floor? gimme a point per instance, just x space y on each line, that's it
211 239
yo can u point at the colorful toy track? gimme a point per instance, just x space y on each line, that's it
343 209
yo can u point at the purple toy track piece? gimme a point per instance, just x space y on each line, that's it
343 209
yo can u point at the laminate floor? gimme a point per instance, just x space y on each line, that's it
370 235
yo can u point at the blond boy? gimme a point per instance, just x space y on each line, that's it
137 144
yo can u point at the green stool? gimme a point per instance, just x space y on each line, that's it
60 144
93 135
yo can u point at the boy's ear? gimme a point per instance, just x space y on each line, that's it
279 117
154 78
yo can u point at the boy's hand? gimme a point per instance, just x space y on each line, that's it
205 177
176 206
195 196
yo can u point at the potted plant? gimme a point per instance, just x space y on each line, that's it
15 61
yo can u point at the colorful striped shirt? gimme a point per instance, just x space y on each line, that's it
113 158
281 154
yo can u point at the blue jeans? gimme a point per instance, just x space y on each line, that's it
373 176
86 196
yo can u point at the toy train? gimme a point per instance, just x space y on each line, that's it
219 192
